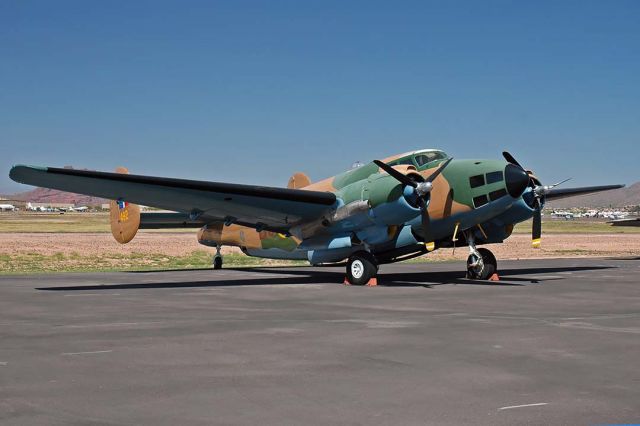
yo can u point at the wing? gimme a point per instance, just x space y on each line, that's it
555 194
262 207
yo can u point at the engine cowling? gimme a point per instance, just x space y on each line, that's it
391 202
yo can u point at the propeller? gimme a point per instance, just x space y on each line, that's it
539 191
422 190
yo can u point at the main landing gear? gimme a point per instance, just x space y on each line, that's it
481 263
217 259
362 268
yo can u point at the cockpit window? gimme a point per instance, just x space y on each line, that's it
405 161
427 157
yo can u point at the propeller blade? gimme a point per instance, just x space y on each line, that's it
511 159
435 174
427 236
536 230
422 189
404 179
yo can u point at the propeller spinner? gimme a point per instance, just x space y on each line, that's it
422 190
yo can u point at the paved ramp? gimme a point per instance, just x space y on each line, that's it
554 342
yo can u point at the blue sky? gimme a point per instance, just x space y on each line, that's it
250 92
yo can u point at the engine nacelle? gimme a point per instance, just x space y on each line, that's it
395 212
391 202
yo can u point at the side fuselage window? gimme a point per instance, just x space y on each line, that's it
476 181
494 177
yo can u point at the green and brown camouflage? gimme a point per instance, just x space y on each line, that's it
397 206
452 194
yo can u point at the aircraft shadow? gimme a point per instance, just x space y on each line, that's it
303 276
508 277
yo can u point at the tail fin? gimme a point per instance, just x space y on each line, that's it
298 180
124 217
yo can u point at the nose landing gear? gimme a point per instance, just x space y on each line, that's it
481 263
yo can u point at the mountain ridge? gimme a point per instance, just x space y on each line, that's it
627 196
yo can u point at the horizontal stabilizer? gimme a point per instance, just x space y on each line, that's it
171 220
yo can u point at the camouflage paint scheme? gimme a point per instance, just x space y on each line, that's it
364 208
451 203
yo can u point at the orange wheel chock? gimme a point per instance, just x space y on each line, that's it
494 277
372 282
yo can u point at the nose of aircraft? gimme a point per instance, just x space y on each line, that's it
516 180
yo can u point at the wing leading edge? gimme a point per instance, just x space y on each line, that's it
258 206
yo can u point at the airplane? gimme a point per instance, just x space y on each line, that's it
564 214
7 207
381 212
32 208
617 215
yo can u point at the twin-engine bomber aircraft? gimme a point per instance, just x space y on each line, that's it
381 212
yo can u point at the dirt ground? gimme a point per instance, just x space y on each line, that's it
181 244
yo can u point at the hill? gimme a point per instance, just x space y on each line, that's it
626 196
45 195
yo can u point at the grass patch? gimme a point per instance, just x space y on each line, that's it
576 226
28 263
54 222
30 222
576 252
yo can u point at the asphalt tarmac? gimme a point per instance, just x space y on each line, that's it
553 342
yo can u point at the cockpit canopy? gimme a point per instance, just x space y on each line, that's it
422 159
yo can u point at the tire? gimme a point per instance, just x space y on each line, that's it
490 265
361 267
217 262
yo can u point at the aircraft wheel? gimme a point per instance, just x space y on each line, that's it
488 267
361 267
217 262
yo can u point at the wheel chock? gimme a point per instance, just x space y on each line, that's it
372 282
494 277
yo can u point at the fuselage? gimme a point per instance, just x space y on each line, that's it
373 210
